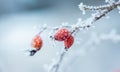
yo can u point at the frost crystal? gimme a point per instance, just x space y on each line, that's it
81 6
109 1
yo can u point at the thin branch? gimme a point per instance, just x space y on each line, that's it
55 66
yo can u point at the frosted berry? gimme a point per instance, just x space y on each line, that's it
36 44
62 34
69 42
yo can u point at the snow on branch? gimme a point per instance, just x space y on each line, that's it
101 11
56 64
101 7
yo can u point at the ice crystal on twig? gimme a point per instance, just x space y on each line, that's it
81 6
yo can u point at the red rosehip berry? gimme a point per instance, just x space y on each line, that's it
62 34
36 44
69 42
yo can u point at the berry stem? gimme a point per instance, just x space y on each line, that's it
55 66
43 29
